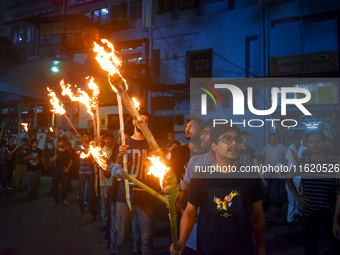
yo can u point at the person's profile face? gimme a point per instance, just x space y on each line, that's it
205 137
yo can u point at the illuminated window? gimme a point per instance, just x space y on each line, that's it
101 16
15 36
104 16
21 34
29 33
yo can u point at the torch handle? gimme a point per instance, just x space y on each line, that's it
173 222
122 135
147 188
75 130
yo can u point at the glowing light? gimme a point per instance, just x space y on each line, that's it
98 155
55 69
136 103
82 97
58 106
25 126
109 61
157 169
51 129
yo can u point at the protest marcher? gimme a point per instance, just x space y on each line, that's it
230 203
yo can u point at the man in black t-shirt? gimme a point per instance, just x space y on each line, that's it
9 163
230 203
137 150
180 155
62 163
21 165
35 164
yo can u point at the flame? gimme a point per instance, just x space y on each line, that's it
157 169
82 96
94 87
109 61
25 126
136 103
58 107
98 154
51 129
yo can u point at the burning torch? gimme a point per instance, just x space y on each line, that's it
111 62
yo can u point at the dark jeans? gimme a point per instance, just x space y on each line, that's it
91 193
312 229
64 180
273 190
123 222
8 174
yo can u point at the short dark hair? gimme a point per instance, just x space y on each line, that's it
316 132
199 122
63 138
24 140
143 111
244 133
108 135
34 140
218 130
272 134
175 142
86 133
209 123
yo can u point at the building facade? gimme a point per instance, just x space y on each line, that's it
164 43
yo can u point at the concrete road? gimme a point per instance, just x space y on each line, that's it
34 227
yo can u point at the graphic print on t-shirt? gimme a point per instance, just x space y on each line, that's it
137 163
223 205
35 158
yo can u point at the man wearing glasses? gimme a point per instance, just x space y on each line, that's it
230 203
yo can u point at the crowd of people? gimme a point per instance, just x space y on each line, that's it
218 213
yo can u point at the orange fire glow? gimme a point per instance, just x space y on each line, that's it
51 129
157 169
109 61
25 126
81 96
136 103
98 154
58 106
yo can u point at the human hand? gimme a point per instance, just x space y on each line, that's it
336 229
116 170
174 252
302 201
122 150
